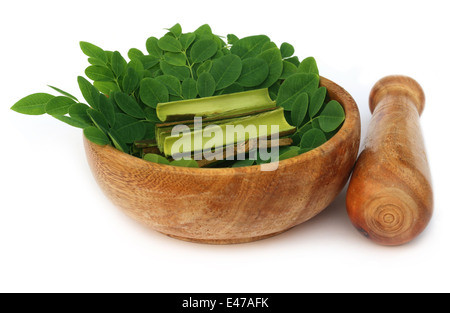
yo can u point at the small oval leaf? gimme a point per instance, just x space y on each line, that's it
287 50
93 51
64 93
118 63
153 92
226 70
308 65
189 88
295 85
206 85
99 73
128 105
203 50
152 47
172 84
89 92
175 58
59 105
312 139
79 111
332 116
317 101
254 72
95 135
180 72
33 104
169 43
299 109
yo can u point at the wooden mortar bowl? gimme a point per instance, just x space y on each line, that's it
231 205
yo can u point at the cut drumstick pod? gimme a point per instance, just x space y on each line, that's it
389 198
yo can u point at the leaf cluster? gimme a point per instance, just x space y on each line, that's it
121 98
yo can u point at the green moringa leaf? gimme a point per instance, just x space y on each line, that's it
96 136
150 115
153 92
99 73
89 92
315 123
299 109
332 116
118 63
78 111
136 64
202 50
106 87
254 72
156 158
152 47
117 141
203 31
59 105
149 61
130 81
175 30
33 104
172 84
98 119
94 61
109 55
64 93
288 69
72 121
226 70
312 139
274 61
204 67
106 107
128 128
180 72
189 88
293 60
232 39
217 55
169 43
308 65
287 50
249 46
186 40
206 85
269 45
317 100
134 53
175 58
295 85
93 51
128 105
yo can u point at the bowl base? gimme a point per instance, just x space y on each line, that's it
226 241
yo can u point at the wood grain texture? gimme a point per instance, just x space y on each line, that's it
389 198
230 205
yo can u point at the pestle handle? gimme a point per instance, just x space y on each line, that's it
389 197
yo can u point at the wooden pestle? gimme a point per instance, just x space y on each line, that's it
389 198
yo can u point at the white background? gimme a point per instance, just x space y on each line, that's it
59 233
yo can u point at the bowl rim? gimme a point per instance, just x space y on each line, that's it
352 120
